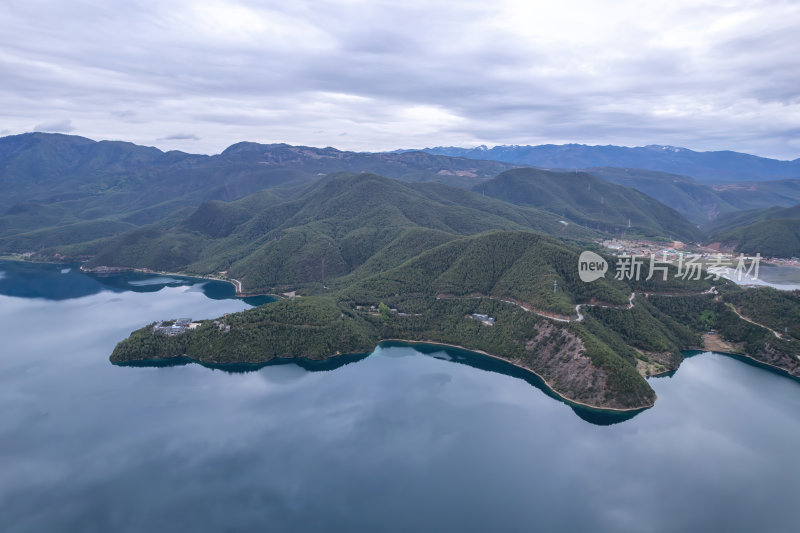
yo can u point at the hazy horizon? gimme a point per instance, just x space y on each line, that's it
323 146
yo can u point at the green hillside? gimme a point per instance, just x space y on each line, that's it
740 219
77 194
515 265
698 203
592 202
78 232
52 181
597 357
771 232
477 272
334 227
779 310
758 194
762 305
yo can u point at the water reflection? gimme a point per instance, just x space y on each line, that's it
398 441
59 282
475 360
242 368
746 360
490 364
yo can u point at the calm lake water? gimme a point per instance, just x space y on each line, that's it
784 277
405 439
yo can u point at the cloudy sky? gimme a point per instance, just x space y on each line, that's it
201 75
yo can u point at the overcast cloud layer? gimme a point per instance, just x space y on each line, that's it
199 76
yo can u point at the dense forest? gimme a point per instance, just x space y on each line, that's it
773 231
528 284
592 202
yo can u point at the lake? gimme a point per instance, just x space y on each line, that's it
783 277
404 439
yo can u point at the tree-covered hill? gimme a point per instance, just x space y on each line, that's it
520 266
771 232
592 202
53 181
625 329
338 225
758 194
51 168
477 273
701 203
698 203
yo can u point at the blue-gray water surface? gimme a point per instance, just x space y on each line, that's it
405 439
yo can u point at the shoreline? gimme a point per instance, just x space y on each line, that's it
747 359
724 349
544 381
763 364
558 395
237 285
748 282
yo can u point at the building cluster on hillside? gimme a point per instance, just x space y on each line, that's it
222 326
170 328
675 249
669 252
645 248
486 320
780 261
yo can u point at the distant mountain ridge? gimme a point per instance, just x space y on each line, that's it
333 227
706 167
50 167
592 202
65 192
54 180
699 203
771 231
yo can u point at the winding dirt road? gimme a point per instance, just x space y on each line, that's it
778 335
541 313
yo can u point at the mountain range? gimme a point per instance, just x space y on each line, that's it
333 227
86 179
706 167
68 194
410 246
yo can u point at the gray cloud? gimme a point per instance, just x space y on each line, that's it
125 113
408 74
181 137
59 126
